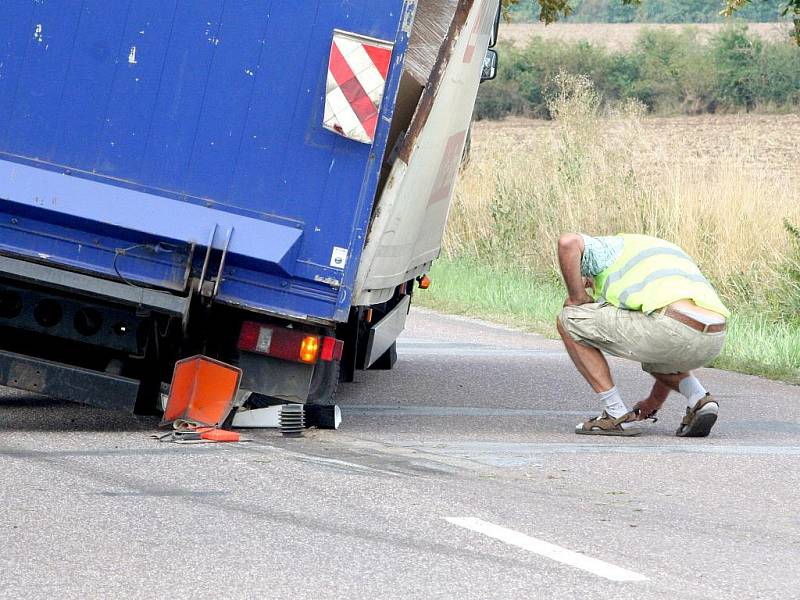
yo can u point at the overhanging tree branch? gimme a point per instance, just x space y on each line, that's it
551 10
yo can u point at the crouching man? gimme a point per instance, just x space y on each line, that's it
649 303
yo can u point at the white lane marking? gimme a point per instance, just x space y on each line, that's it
548 550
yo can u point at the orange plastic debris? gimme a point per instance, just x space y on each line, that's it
220 435
202 391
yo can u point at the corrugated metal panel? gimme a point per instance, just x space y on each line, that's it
212 103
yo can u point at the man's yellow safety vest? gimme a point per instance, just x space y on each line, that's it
650 274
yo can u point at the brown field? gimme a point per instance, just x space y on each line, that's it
621 36
768 142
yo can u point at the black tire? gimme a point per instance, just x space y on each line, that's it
324 383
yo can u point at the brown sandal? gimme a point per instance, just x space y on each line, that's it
698 422
605 425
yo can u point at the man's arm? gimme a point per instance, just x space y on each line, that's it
570 251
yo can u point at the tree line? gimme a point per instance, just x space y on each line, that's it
669 72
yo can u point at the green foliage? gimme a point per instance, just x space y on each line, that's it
736 57
648 11
669 72
674 72
779 75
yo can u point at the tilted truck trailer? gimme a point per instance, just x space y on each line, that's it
257 182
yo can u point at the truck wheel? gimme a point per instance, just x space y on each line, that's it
324 383
386 360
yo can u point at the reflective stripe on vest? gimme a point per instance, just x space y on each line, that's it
643 255
651 273
663 274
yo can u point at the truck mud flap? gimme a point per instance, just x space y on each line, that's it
384 333
66 382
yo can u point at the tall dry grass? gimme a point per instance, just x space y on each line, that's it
606 174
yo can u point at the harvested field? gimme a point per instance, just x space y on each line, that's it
621 36
754 141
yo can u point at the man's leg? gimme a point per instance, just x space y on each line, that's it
692 390
591 363
670 380
685 384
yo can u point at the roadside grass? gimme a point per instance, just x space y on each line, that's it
755 344
465 287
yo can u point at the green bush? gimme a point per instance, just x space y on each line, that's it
669 72
779 81
736 58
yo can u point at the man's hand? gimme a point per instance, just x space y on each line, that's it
648 406
584 299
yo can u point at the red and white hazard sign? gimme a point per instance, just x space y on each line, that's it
357 73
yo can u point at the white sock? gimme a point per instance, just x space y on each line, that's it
613 403
692 390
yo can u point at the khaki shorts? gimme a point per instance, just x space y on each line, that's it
660 343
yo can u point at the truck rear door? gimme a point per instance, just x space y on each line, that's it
157 140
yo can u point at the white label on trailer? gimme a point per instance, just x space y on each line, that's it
339 257
264 340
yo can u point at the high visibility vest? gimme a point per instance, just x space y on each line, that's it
650 274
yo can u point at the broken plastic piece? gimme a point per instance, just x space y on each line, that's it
220 435
202 391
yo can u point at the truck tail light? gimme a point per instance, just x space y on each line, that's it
331 349
309 349
288 344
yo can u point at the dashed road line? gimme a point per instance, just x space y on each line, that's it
548 550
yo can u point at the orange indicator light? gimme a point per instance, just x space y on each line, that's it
309 349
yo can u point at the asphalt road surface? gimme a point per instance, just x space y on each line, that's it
457 475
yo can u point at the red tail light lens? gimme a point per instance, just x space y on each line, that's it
286 344
331 349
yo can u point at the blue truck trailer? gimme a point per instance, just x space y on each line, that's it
259 182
